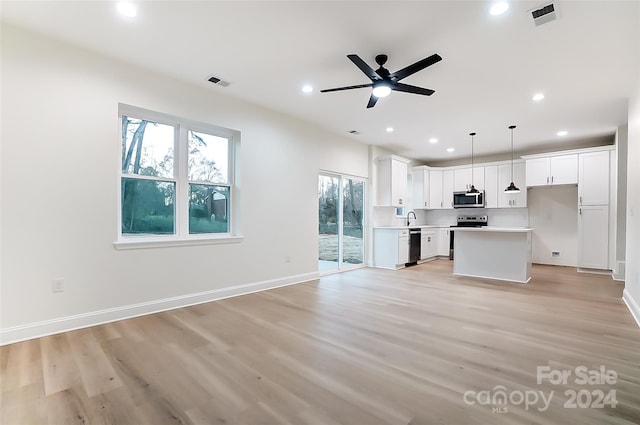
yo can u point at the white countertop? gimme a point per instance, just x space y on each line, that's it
493 229
415 226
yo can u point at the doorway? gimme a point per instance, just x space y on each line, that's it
341 218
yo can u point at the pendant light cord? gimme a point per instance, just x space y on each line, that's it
511 127
472 134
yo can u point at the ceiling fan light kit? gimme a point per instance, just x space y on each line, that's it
383 81
381 90
512 188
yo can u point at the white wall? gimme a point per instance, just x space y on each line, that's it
60 147
632 251
553 214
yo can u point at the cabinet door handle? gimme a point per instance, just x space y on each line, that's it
551 179
581 200
580 210
547 180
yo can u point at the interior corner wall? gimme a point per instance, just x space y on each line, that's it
553 213
60 179
622 144
632 275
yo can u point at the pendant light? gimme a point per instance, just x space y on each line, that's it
512 188
472 190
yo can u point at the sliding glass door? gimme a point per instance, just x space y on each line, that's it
341 201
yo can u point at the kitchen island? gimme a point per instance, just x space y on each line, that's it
502 253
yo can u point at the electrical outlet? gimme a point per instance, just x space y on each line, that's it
555 253
57 285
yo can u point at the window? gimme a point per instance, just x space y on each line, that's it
176 179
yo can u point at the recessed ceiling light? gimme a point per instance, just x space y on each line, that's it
433 140
538 97
127 9
389 129
307 88
562 133
450 150
499 8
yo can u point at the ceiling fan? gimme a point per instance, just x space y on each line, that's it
383 82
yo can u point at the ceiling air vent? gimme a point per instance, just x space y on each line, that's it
544 14
218 81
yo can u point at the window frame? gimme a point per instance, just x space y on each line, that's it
181 235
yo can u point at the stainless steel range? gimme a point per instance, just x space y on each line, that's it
467 221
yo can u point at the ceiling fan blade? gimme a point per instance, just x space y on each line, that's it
418 66
412 89
359 86
372 101
368 71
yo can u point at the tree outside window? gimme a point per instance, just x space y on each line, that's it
154 182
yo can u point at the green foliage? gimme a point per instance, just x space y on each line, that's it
147 206
203 225
155 224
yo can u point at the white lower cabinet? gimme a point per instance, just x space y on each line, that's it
390 248
593 237
428 244
403 247
443 241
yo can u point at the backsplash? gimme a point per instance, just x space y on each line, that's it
501 217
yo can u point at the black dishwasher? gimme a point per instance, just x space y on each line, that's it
414 245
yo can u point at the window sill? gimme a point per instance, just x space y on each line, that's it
144 243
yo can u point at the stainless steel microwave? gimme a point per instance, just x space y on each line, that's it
468 200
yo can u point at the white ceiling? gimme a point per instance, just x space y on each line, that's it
585 62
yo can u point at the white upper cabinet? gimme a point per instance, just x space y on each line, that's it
491 186
421 188
440 190
461 179
477 177
593 185
511 200
447 189
552 170
392 181
435 189
564 169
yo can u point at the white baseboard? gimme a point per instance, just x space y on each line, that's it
632 305
594 271
63 324
619 271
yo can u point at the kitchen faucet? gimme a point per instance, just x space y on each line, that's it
408 219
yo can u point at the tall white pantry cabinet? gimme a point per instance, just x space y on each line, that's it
593 209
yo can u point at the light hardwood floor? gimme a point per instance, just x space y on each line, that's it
365 347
